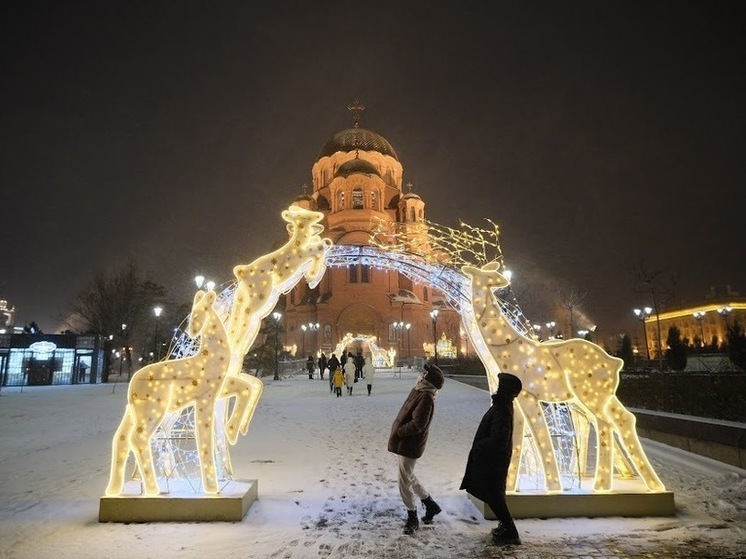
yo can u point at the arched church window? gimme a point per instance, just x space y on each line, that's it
364 273
420 214
411 215
352 268
357 199
425 294
341 200
392 332
373 201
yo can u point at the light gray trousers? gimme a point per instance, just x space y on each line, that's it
409 485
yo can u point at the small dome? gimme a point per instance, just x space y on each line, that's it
411 196
357 138
356 165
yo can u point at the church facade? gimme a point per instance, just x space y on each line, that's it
358 186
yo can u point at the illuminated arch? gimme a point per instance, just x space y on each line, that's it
458 288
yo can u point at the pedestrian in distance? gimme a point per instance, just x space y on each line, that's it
407 440
349 371
338 379
322 365
359 363
311 366
489 458
369 373
332 365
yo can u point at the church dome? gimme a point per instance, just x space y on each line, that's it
411 196
357 138
356 165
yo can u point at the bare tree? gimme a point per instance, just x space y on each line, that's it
570 299
660 286
117 304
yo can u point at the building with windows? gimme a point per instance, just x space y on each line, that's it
701 325
39 359
358 183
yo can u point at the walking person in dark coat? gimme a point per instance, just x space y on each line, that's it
408 439
489 459
332 365
322 365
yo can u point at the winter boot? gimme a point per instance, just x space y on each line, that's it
412 522
506 534
431 509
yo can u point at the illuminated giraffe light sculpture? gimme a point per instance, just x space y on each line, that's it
211 377
166 387
573 371
259 286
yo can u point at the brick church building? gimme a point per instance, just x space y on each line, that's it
358 184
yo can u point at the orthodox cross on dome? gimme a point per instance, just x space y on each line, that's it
304 187
409 186
356 108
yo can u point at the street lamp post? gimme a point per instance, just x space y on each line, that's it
641 315
550 328
434 316
408 326
157 311
400 327
123 354
698 316
303 340
724 312
537 330
277 316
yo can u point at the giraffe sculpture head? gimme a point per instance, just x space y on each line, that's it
201 312
305 228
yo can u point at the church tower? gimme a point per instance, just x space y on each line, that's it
357 184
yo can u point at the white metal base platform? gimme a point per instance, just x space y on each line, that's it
230 505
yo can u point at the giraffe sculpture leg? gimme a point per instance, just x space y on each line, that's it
537 425
624 423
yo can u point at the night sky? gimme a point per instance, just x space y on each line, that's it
598 135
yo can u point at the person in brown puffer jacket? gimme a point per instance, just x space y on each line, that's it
408 439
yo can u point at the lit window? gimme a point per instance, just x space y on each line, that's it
357 199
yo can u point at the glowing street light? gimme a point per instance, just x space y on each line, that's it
277 316
724 312
199 280
550 326
312 326
698 316
157 312
400 326
537 330
434 316
642 315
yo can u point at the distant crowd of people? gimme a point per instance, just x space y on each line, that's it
343 373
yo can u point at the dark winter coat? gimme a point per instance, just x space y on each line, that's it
489 458
333 363
412 425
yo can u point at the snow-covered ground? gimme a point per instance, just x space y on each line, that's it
327 485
